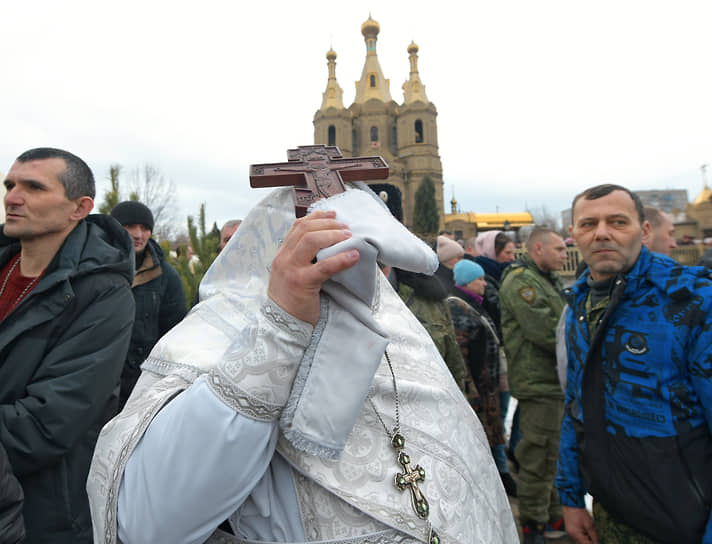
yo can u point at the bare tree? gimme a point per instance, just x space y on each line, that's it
148 185
543 217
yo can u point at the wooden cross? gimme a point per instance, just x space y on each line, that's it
408 479
316 171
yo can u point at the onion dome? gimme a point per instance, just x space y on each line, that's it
370 27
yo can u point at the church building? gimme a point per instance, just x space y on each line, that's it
405 135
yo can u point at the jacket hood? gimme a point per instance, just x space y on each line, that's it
97 243
429 287
492 267
101 245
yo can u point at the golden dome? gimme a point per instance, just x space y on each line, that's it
413 47
331 54
370 27
704 196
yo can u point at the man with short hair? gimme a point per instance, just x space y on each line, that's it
531 299
636 427
66 312
227 231
470 248
660 237
157 289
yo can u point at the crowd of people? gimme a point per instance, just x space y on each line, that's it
342 380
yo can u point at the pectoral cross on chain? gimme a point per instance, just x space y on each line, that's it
409 478
316 171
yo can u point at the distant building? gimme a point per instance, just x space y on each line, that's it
566 218
672 201
464 225
405 135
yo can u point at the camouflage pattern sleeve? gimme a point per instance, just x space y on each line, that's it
534 312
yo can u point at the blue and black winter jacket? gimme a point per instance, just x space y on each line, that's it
644 447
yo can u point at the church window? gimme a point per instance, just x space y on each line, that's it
394 140
418 132
332 135
374 134
372 80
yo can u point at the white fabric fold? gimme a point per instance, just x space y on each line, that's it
347 325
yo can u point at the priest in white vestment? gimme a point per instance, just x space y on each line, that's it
300 401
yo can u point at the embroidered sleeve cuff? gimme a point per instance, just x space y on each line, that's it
287 323
255 374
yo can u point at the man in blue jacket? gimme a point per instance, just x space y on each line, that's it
66 312
157 290
636 429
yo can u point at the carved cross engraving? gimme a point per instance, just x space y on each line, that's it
408 479
316 171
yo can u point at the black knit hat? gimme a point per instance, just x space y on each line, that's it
133 213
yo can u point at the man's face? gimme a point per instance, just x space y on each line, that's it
140 235
225 236
551 253
608 233
661 239
36 204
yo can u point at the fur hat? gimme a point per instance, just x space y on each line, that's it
131 212
448 249
466 271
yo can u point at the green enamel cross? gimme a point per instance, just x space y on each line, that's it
409 478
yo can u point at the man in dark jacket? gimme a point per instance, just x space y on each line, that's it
157 290
12 528
66 313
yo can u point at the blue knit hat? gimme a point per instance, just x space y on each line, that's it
466 271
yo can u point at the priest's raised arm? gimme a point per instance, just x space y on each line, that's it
300 401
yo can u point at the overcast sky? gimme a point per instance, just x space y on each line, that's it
536 100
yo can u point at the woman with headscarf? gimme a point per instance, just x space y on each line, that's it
480 341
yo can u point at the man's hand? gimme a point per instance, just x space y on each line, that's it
579 525
295 280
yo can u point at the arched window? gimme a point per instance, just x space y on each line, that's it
418 132
394 140
372 80
374 134
332 135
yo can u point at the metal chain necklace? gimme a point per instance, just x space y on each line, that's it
24 291
409 478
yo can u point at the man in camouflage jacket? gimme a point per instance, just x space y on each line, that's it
532 300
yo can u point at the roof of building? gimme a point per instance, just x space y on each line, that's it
492 220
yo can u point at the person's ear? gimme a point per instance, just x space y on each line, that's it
84 205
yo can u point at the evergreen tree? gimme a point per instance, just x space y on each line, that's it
113 196
425 210
204 245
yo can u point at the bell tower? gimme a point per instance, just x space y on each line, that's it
405 135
